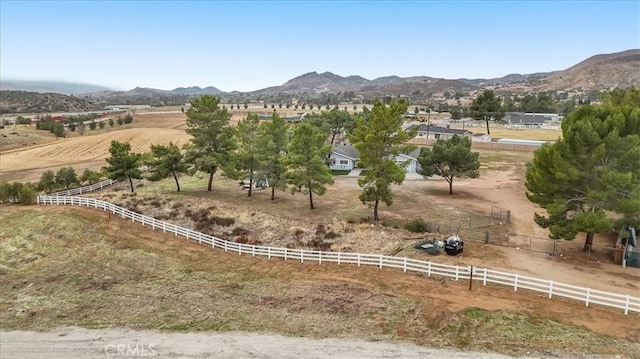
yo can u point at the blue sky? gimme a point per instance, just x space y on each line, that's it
250 45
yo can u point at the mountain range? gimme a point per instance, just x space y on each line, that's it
598 72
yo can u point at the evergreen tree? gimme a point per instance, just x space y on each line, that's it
213 138
272 151
589 180
122 163
305 162
248 153
379 138
166 161
449 158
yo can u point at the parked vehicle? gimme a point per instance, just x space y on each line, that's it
454 245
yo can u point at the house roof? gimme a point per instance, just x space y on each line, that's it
438 129
413 154
346 151
526 118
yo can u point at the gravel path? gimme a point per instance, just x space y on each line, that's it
118 343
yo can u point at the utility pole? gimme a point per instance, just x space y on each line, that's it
428 123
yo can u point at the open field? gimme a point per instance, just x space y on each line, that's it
71 266
29 163
21 136
63 261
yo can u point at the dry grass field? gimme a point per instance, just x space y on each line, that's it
70 266
110 266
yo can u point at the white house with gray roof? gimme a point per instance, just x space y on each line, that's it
436 132
530 120
345 157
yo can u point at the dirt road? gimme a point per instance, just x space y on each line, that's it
116 343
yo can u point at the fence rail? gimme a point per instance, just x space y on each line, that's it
589 296
85 189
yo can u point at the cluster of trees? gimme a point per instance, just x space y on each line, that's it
65 178
542 102
293 158
47 124
17 192
589 180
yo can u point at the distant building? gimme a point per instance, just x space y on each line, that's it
437 132
530 120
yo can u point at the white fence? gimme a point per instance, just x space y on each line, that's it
85 189
550 288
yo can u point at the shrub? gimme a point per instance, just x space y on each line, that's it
331 235
417 226
223 221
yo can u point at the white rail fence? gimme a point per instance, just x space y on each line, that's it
550 288
85 189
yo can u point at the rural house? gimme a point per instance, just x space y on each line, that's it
411 160
529 120
436 132
343 157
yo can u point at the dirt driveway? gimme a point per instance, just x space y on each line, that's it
113 343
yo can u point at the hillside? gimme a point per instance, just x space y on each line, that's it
604 71
600 72
65 88
35 102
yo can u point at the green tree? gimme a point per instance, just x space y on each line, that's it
166 161
47 181
122 163
305 162
119 121
589 180
247 160
27 194
487 107
72 127
92 125
272 151
90 177
127 119
111 122
213 138
449 158
379 138
101 124
66 177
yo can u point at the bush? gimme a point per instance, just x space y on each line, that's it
417 226
17 192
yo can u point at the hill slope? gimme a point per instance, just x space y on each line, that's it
621 69
66 88
35 102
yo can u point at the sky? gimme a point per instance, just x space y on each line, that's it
249 45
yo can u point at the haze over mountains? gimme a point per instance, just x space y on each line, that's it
598 72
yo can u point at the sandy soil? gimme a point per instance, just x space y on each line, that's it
107 343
